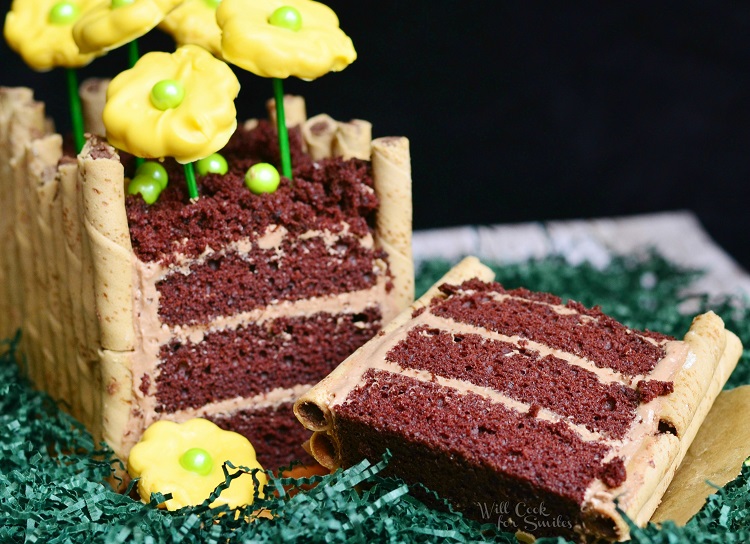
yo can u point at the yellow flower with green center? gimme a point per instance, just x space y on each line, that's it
282 38
185 459
177 105
194 22
40 31
113 23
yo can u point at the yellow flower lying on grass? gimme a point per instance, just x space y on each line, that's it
310 47
113 23
185 459
177 105
40 31
194 22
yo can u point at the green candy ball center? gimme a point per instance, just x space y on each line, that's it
148 187
197 460
213 164
63 13
213 4
262 178
155 171
286 17
121 3
167 94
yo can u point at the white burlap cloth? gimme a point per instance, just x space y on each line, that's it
678 236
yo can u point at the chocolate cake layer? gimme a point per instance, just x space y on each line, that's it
548 298
255 359
226 285
324 196
465 426
602 340
494 464
521 374
273 431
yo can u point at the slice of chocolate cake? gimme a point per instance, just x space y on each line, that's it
228 307
524 411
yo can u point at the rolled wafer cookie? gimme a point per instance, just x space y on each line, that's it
485 394
713 353
97 258
102 182
93 93
42 157
352 140
318 133
295 111
81 315
117 401
325 137
11 100
714 459
706 334
391 172
67 362
27 124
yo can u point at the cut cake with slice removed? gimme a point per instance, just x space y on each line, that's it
523 411
228 307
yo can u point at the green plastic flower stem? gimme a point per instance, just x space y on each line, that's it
190 179
286 158
133 55
76 113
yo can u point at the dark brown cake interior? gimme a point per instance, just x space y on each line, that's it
332 195
324 195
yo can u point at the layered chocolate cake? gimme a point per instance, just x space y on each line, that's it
228 307
524 411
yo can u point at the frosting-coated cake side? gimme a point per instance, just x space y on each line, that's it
507 397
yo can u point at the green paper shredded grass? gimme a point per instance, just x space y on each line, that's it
51 472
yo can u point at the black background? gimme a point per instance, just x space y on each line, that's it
523 111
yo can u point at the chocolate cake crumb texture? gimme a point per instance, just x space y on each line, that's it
228 284
588 333
273 431
648 390
256 359
613 473
468 426
521 374
324 195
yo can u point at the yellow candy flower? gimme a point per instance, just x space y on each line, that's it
113 23
308 50
185 459
145 117
40 31
194 22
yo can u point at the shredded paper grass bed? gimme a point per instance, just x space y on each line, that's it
52 474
